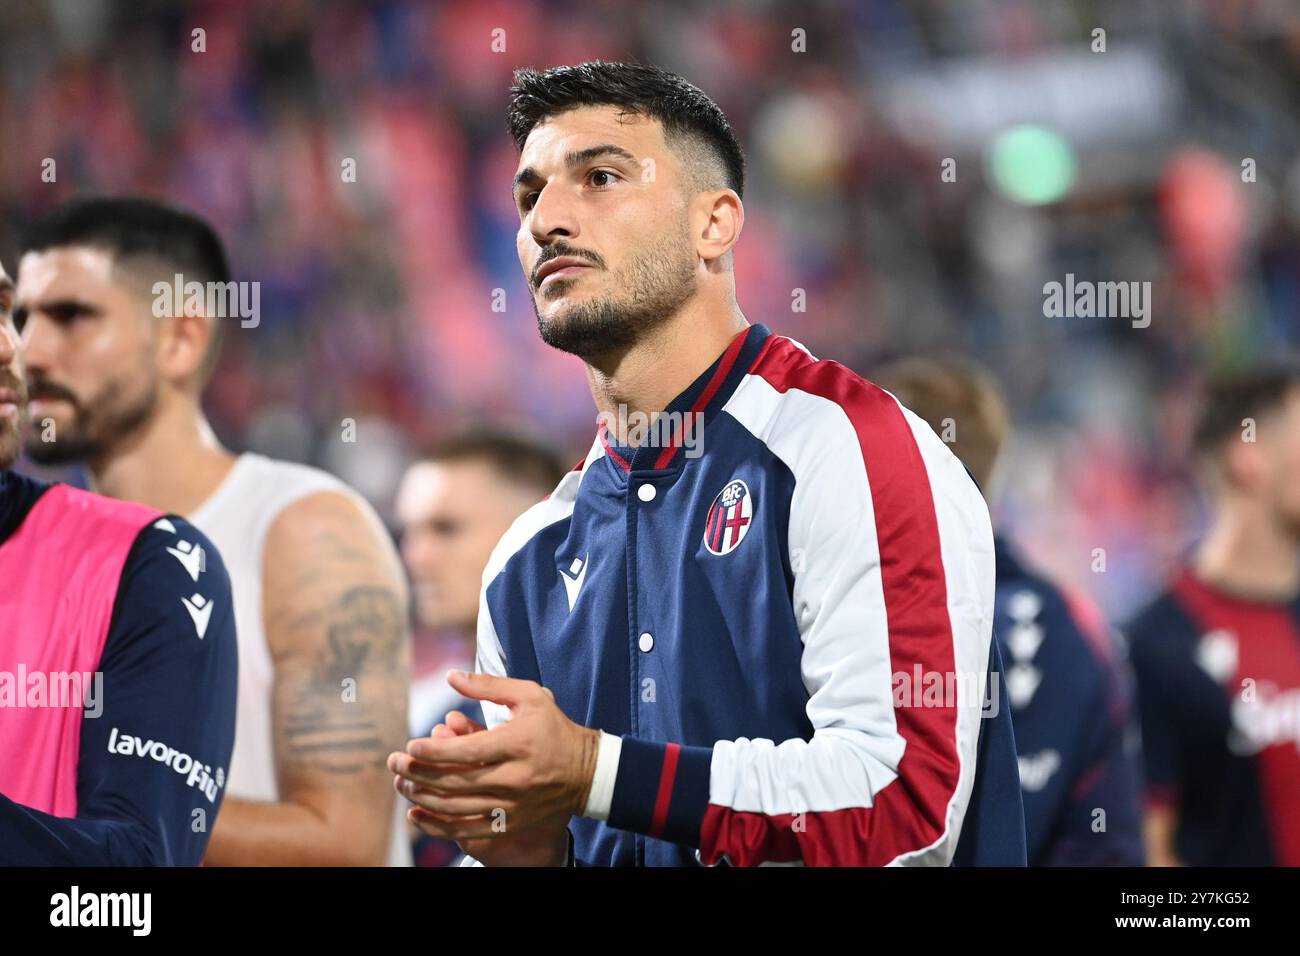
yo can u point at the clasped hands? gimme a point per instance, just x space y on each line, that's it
506 794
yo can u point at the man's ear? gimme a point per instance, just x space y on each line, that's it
183 344
720 216
1243 462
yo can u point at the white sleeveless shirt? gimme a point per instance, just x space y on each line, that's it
237 518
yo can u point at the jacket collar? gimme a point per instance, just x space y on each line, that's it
662 447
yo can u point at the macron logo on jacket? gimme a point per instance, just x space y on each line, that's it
573 579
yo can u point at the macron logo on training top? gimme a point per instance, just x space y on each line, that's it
200 609
1022 677
190 556
573 579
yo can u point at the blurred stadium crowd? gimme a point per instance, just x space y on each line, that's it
396 301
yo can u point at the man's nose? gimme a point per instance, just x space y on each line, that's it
554 216
418 554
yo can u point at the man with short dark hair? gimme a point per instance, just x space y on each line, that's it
698 636
1217 655
118 362
117 668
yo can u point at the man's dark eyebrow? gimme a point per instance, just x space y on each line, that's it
575 158
64 305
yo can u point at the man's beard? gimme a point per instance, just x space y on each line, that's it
94 427
656 285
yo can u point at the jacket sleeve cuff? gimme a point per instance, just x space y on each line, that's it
661 790
602 782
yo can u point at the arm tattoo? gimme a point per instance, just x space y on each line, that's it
345 713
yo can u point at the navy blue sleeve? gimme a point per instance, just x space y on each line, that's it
153 761
1099 821
1168 685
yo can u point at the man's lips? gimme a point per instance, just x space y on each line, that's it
560 267
36 405
9 402
563 273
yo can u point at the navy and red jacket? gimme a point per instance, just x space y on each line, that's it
783 628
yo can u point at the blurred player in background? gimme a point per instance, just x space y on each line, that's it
117 668
319 598
453 506
1068 690
1217 656
694 636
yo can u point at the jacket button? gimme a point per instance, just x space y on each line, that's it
646 492
646 642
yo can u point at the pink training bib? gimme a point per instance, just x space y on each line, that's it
59 577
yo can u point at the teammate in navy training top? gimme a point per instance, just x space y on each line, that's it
138 778
1217 655
1066 685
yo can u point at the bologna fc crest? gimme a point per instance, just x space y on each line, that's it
729 518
